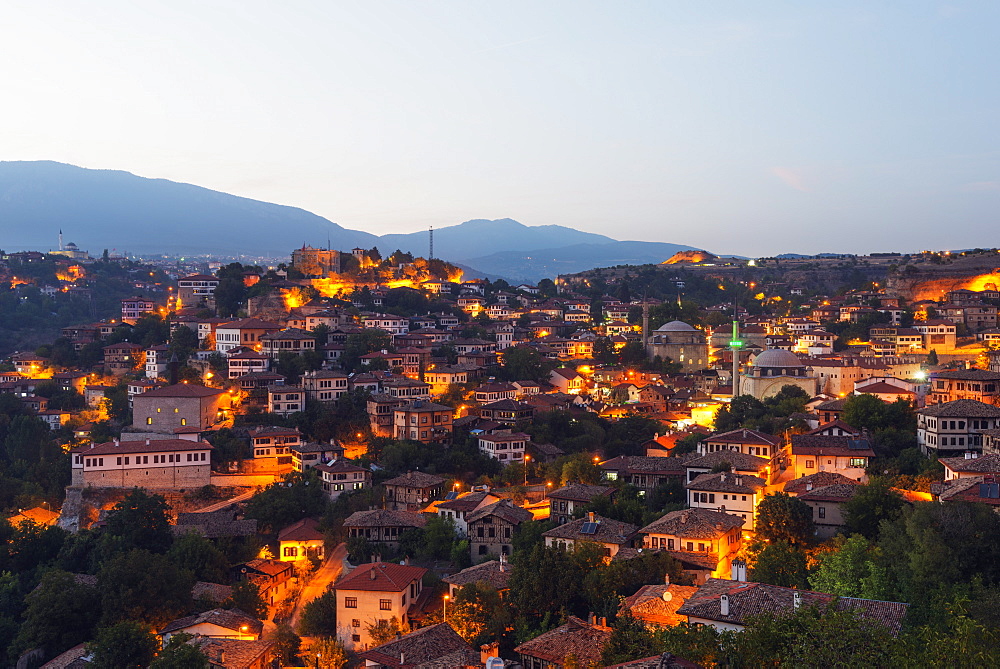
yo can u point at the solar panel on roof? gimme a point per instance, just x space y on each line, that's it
451 495
589 528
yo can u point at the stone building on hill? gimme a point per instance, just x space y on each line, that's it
156 464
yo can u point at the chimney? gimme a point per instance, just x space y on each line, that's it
724 604
666 579
117 443
603 622
590 517
488 650
796 599
592 618
968 455
723 477
402 658
684 517
147 441
975 455
809 486
172 368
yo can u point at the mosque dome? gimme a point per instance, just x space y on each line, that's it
777 357
675 326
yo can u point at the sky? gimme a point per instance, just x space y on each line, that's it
741 127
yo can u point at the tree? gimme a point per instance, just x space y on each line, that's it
478 614
179 654
126 645
246 597
521 363
295 497
630 639
288 643
932 358
198 555
869 506
144 587
438 537
851 570
781 517
319 617
142 520
383 631
778 563
61 613
329 653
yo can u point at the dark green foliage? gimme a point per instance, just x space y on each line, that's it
141 520
781 517
630 640
872 504
769 415
893 426
606 585
126 645
319 617
246 597
297 496
548 579
521 363
178 654
199 556
288 643
143 586
61 613
778 563
229 446
362 343
853 568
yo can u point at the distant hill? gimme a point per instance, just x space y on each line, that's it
468 240
101 209
110 209
534 265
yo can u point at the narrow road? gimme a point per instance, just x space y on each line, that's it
327 573
226 502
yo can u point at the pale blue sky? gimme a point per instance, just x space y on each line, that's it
743 127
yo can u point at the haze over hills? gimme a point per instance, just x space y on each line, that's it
113 209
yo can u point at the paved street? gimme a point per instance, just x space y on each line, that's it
327 573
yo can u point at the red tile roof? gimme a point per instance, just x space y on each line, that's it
389 577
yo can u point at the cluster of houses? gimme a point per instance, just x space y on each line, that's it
824 465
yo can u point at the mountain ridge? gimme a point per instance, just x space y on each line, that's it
104 208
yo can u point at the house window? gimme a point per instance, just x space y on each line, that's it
822 511
385 605
355 622
291 551
356 638
810 464
857 462
350 602
149 421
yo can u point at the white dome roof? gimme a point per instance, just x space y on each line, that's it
675 326
777 357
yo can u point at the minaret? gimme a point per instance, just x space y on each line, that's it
60 240
430 254
735 345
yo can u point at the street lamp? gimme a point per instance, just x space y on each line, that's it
527 458
444 613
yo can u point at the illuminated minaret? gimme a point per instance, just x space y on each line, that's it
60 240
736 345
